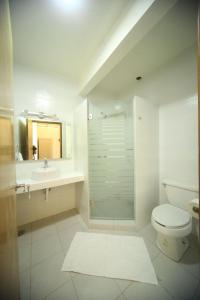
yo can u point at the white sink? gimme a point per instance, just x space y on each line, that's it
45 173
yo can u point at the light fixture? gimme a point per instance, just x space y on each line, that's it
118 107
69 5
38 115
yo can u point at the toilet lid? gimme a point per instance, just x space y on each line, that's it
170 216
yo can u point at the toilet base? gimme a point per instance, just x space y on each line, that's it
172 247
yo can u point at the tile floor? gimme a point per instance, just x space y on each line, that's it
42 250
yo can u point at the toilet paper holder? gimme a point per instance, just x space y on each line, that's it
195 209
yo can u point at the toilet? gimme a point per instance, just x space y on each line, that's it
173 225
173 220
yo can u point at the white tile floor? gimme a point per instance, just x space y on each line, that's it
42 250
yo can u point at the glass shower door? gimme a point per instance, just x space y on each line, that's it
111 164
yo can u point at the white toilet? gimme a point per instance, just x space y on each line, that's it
173 224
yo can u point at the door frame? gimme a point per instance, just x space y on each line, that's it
198 82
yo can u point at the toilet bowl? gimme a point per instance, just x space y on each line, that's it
173 225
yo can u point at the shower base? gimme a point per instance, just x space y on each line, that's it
113 225
112 209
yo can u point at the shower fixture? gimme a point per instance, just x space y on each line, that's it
115 114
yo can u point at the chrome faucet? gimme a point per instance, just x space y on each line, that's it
45 163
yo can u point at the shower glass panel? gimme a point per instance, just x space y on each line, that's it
111 160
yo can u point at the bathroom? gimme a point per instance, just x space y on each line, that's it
122 107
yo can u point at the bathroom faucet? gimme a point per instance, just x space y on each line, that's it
45 163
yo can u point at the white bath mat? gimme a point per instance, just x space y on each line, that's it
114 256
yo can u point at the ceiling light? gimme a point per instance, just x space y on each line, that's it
69 5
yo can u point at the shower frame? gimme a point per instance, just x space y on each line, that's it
106 224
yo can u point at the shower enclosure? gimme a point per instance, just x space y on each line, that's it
111 160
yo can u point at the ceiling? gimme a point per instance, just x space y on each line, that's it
53 39
171 36
49 37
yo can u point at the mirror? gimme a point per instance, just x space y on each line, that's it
37 139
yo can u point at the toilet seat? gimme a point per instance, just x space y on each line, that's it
171 221
170 216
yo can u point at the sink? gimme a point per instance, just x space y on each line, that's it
45 173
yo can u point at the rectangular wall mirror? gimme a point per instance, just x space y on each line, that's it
37 139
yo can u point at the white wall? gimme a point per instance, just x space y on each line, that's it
166 135
176 80
146 159
81 162
178 139
173 88
39 91
51 94
36 91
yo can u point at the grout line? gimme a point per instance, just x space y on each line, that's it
29 283
190 272
121 294
74 286
64 252
45 236
55 253
162 287
61 245
181 263
46 258
57 288
30 263
124 296
195 291
167 291
69 226
131 283
32 266
115 281
119 286
160 280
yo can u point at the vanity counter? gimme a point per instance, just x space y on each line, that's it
34 185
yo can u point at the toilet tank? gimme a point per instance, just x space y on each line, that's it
179 195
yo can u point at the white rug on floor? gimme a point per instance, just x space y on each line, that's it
114 256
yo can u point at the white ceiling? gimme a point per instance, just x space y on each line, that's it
50 38
174 33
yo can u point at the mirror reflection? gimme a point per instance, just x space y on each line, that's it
38 139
